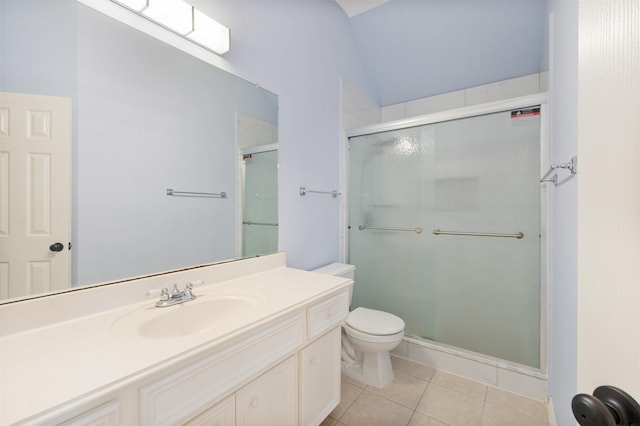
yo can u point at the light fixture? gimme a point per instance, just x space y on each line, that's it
136 5
185 20
209 33
174 14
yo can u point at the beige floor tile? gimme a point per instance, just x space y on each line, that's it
353 382
373 410
451 407
348 394
459 384
404 389
329 422
413 368
422 420
529 407
494 415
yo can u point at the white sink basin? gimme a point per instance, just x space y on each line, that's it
204 313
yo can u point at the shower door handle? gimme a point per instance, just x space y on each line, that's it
518 235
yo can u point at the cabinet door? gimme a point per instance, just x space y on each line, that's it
320 378
271 399
221 414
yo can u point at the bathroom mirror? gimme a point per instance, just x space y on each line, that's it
146 117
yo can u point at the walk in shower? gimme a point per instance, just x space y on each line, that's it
444 227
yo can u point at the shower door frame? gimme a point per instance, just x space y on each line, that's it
541 99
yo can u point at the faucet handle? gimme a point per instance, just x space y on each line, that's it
175 291
164 294
158 291
187 291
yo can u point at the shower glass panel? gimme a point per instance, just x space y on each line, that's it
470 175
260 209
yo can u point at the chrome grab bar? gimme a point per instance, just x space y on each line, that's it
518 235
173 193
305 191
417 230
248 222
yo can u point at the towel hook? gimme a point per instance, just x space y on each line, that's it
572 166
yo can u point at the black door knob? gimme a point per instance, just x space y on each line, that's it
608 406
56 247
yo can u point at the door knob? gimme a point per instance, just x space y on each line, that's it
608 406
56 247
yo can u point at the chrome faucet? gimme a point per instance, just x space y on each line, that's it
176 297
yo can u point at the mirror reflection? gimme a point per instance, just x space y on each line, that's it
142 117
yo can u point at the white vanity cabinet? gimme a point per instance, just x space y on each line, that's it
301 389
271 399
320 378
221 414
280 366
105 415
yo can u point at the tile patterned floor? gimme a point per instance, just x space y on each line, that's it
422 396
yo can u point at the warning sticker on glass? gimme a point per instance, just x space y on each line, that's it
525 116
526 112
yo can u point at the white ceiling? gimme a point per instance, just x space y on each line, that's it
353 7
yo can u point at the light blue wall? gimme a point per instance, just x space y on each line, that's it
414 49
564 143
300 50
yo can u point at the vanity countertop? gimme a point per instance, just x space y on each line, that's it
45 367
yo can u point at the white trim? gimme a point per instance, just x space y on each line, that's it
510 377
259 148
453 114
551 412
545 221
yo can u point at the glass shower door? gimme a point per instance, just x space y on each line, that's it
488 287
260 207
471 179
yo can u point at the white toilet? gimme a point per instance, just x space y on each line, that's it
367 337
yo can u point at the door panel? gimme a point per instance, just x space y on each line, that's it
35 183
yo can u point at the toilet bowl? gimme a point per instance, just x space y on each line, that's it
367 337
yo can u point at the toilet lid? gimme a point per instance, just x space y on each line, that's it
374 322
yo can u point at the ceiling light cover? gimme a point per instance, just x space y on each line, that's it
209 33
174 14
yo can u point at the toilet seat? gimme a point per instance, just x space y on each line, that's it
372 338
374 323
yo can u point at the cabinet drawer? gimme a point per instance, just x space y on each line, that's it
173 398
327 313
221 414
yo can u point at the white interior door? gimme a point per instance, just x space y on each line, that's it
35 200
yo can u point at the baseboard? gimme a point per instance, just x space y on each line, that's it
521 380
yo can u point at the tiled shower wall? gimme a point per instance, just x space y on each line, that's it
359 111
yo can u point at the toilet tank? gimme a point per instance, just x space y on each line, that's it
339 270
